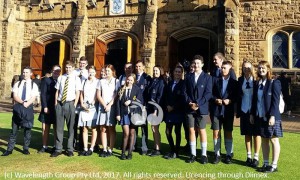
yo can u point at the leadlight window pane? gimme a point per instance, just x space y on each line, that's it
296 49
280 50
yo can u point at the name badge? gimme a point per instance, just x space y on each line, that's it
269 93
153 91
142 86
202 86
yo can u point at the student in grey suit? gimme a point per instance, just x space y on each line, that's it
66 98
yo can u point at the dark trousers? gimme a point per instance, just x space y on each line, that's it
65 111
13 136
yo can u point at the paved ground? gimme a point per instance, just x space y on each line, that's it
290 124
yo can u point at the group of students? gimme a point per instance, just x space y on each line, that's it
190 99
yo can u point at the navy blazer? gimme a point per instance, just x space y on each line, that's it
143 84
175 98
214 73
135 95
272 91
48 93
230 93
199 93
155 92
240 95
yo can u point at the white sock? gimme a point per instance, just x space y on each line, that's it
255 156
274 165
110 150
204 148
45 147
92 149
249 155
85 149
217 143
193 148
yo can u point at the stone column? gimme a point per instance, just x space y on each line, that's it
80 32
12 33
150 35
231 44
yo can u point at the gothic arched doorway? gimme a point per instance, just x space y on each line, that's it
186 43
49 50
116 48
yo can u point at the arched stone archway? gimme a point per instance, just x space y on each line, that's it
101 47
185 43
40 61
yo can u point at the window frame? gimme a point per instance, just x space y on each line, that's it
289 33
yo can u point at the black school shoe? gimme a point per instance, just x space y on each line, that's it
55 154
249 162
191 159
255 163
26 152
217 159
203 160
271 169
7 153
89 153
82 153
228 159
154 153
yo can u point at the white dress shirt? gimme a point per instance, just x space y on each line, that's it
247 95
31 91
73 86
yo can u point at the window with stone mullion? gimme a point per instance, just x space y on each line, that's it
280 50
296 48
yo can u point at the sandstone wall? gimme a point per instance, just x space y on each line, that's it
256 18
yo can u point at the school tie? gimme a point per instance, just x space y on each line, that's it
261 87
138 77
128 94
24 92
65 92
248 85
173 86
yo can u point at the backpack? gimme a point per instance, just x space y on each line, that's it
281 101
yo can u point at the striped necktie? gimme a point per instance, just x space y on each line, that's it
65 92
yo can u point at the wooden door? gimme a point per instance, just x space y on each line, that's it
100 50
37 53
64 54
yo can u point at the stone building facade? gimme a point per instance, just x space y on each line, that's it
41 33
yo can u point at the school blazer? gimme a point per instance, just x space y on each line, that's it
143 84
48 93
240 95
230 93
231 73
155 92
135 95
271 99
175 98
199 93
